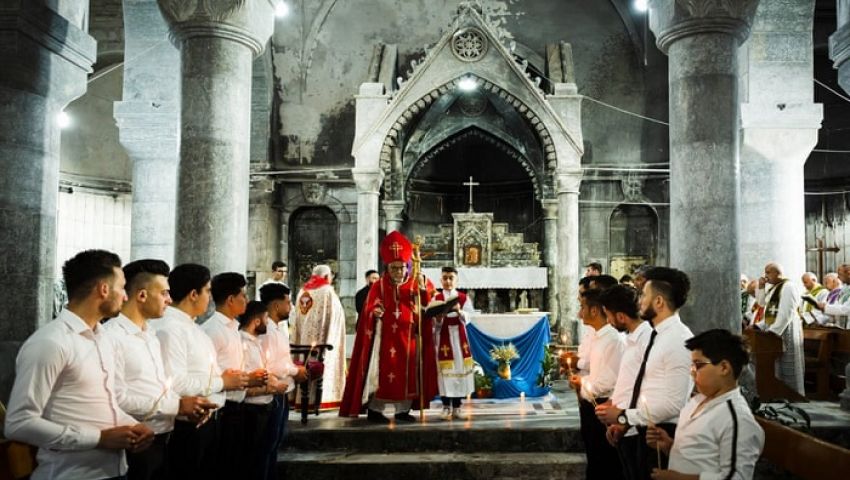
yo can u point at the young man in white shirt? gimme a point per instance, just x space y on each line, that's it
276 342
63 400
190 360
663 383
228 293
717 436
143 389
621 310
595 387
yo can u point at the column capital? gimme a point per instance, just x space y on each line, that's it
677 19
568 181
550 209
248 22
367 180
393 210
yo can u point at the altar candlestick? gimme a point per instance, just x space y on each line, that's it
153 409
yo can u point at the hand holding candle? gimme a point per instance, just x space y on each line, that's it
588 388
651 425
155 407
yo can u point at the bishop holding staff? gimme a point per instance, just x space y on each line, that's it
384 368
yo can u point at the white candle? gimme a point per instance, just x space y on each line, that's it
209 382
159 399
588 387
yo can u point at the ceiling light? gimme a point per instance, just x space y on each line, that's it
641 5
281 10
63 120
467 84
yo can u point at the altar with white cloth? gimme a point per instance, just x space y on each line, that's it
529 333
499 289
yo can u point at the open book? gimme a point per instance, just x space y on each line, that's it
441 307
810 300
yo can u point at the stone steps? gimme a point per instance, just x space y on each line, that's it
431 465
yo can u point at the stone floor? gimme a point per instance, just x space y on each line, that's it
537 438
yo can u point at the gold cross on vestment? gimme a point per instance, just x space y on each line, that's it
445 350
391 376
470 184
466 348
394 326
397 312
369 333
395 247
392 351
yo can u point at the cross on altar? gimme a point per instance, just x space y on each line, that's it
470 184
821 249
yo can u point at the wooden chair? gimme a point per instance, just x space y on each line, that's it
802 455
312 357
818 345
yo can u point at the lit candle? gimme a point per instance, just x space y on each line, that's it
468 422
588 388
522 403
570 365
159 399
244 356
209 382
268 357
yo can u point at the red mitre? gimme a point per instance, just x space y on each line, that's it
396 248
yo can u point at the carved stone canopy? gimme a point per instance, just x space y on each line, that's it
673 20
250 23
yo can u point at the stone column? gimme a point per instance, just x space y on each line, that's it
393 215
701 38
568 275
550 259
368 183
40 76
218 42
149 128
779 128
839 52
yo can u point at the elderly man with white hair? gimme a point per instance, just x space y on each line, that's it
836 307
318 318
814 291
781 301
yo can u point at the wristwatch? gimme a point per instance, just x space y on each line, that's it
622 419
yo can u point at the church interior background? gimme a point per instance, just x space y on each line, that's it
360 124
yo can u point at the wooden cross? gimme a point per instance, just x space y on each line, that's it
821 249
470 184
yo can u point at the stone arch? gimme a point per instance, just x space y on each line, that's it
393 138
313 239
630 217
536 182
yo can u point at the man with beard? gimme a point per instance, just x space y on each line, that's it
663 382
63 400
139 370
384 368
781 302
621 309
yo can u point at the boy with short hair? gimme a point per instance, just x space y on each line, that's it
454 356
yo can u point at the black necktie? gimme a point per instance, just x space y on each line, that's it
642 371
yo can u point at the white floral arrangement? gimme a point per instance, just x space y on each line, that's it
504 353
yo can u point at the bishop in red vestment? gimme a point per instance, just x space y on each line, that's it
384 368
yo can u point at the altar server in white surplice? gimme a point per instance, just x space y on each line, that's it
454 357
318 318
781 300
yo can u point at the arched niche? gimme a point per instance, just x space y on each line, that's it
313 240
632 237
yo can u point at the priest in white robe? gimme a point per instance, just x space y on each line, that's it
781 301
318 318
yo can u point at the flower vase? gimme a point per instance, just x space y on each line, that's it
504 370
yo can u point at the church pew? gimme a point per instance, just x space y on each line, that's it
839 355
765 349
800 454
818 345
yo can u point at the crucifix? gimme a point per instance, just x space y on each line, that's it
821 249
470 184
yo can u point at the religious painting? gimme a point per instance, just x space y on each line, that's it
472 255
626 265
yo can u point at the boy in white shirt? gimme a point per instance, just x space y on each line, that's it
716 435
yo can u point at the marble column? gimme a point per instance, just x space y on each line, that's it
779 128
568 274
40 76
218 42
149 128
393 214
550 258
839 52
701 38
368 183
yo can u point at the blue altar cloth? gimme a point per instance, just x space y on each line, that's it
524 370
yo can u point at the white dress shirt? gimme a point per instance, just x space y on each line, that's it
276 342
667 382
229 351
629 365
703 444
63 396
254 358
189 356
585 342
605 353
140 375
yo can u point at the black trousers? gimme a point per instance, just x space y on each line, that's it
192 451
602 459
454 402
230 456
150 464
254 454
637 458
